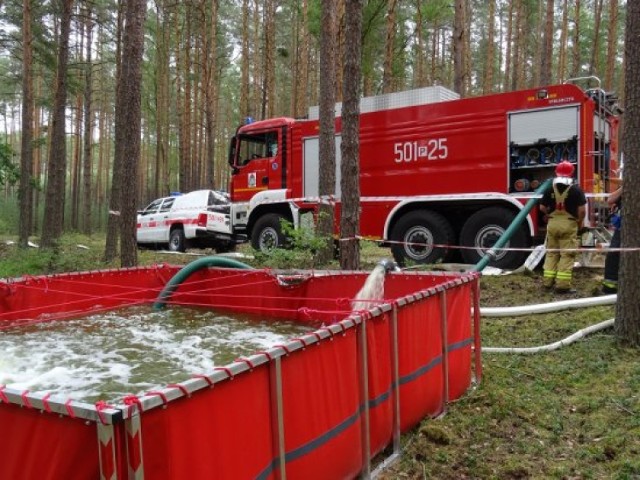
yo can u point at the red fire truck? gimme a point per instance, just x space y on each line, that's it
438 174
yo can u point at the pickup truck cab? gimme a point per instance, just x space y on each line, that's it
181 221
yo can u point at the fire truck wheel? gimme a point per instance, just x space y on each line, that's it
267 233
483 229
416 233
177 242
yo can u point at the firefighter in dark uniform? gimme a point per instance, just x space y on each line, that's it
565 206
612 260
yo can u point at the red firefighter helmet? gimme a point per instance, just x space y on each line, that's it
565 169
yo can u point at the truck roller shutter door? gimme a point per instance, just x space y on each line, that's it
553 125
311 167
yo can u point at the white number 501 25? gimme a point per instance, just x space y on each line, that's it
434 149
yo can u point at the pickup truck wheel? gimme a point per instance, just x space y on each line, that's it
483 229
267 233
415 235
177 242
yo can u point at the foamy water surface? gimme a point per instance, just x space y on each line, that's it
132 351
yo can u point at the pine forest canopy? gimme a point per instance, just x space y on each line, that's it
208 64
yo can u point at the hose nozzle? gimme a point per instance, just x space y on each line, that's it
389 265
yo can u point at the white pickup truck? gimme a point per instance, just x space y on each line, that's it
193 219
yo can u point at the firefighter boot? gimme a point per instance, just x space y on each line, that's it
609 287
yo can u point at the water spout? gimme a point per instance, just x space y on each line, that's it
388 265
372 291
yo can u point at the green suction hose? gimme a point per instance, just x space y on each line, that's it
190 268
515 224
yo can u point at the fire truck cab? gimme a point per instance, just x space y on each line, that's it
438 174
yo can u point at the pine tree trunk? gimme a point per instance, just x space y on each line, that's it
187 125
575 69
269 98
389 47
327 154
487 82
627 324
510 43
38 151
195 71
76 162
612 44
128 110
245 110
53 226
458 47
257 62
420 73
562 47
518 47
594 62
113 217
161 185
300 102
467 48
547 50
340 47
88 128
350 162
26 159
434 55
210 68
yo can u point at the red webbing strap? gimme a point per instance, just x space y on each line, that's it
162 396
227 371
182 388
100 406
329 331
266 354
205 378
45 402
25 399
283 347
3 396
131 401
302 341
69 408
246 361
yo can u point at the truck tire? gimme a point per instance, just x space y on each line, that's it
266 234
483 229
177 242
421 227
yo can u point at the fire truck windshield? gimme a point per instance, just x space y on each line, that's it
256 145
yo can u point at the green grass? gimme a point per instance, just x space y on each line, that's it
573 413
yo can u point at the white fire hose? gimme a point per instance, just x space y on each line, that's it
545 308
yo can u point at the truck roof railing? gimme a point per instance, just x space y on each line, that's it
577 80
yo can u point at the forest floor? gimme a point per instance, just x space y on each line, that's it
573 413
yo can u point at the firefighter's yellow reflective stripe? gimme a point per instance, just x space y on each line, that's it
610 283
564 275
549 274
